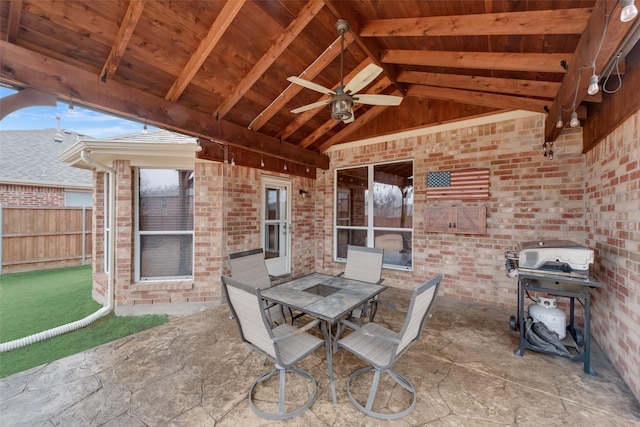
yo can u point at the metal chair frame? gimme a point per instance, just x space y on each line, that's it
285 344
250 267
381 347
364 264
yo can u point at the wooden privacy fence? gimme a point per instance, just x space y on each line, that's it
35 238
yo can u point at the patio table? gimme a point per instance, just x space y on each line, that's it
324 297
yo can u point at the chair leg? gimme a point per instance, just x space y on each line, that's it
367 409
281 414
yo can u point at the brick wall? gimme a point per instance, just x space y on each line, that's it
27 195
531 198
612 222
100 279
243 209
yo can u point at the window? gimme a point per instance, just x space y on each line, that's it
164 247
78 198
107 221
374 208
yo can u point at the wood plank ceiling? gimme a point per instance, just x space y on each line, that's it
218 70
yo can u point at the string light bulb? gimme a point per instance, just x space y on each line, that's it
593 85
559 123
144 129
629 10
285 165
574 123
71 111
261 161
233 159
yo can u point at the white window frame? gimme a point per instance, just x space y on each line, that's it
107 221
138 234
369 228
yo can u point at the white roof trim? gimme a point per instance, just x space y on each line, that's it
31 183
428 130
140 154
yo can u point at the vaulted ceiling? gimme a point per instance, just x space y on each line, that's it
218 69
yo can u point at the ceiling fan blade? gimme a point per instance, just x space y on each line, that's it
310 85
378 99
311 106
363 78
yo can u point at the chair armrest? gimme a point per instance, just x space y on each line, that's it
298 331
392 306
367 333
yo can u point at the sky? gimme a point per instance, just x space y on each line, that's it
83 121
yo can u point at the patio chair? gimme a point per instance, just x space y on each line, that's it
249 267
364 264
285 345
381 347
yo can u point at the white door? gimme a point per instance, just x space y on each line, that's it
276 225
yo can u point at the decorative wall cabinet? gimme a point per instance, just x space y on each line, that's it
456 219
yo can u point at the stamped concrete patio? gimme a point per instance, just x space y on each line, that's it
194 371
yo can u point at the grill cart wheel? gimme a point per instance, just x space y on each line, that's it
513 324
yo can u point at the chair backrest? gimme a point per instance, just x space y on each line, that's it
423 299
364 264
250 267
245 302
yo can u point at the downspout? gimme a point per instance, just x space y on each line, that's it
69 327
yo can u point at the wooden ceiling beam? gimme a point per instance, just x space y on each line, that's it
331 53
536 88
557 21
283 41
602 36
128 25
218 28
535 62
29 69
344 10
24 99
13 24
479 98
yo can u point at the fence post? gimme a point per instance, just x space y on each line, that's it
1 237
84 232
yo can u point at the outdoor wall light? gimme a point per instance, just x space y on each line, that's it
629 10
303 193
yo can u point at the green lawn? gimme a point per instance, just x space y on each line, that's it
36 301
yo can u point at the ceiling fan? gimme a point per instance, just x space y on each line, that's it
343 97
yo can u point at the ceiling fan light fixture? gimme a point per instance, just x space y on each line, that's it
341 107
629 10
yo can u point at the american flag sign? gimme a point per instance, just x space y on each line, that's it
462 184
